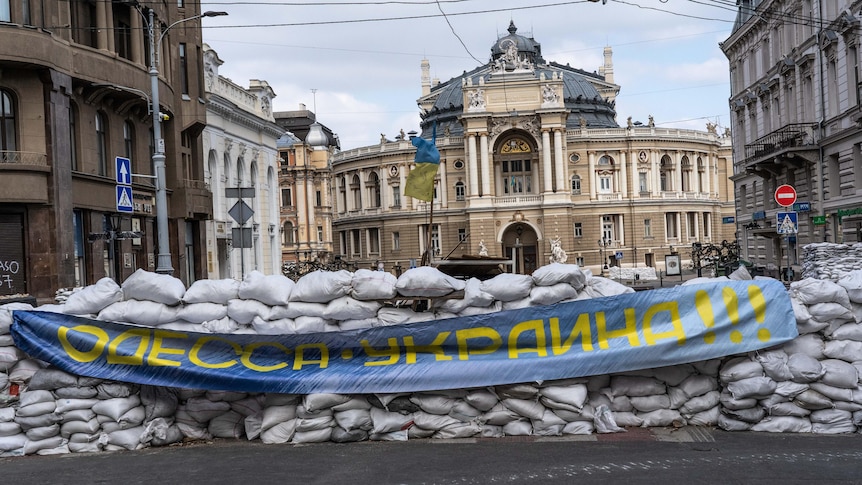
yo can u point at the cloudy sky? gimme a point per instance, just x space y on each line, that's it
357 64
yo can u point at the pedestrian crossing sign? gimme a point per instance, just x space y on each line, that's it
124 199
787 223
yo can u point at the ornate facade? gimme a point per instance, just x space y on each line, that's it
75 94
795 102
242 171
532 160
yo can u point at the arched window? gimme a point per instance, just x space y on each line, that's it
102 143
685 164
515 159
459 190
666 166
605 175
576 185
374 189
289 236
342 188
8 131
355 190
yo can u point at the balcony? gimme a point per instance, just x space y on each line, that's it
193 198
23 160
518 200
24 177
789 147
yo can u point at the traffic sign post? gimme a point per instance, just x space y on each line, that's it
124 199
785 195
124 171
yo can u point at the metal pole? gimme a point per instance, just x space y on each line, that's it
163 265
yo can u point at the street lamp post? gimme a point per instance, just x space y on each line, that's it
603 243
163 265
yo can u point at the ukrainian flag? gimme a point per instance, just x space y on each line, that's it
420 180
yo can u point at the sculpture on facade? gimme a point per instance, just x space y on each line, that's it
558 255
483 250
477 99
549 94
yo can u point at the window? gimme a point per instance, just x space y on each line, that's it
184 69
8 134
608 228
5 13
670 224
396 241
287 197
579 229
576 185
356 243
357 195
605 183
642 183
289 234
462 234
342 187
579 261
373 241
318 196
707 225
459 190
101 144
128 141
374 189
647 227
122 37
691 222
319 233
396 196
517 176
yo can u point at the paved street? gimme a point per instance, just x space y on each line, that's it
658 455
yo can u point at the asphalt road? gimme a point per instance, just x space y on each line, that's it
699 455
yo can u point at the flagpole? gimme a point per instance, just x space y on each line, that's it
426 257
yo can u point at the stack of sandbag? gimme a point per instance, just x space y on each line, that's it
830 261
810 384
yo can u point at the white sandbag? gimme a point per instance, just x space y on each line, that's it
707 417
212 291
373 285
496 306
579 428
229 425
846 350
521 427
75 427
729 424
554 273
346 307
355 402
401 435
803 368
548 425
517 304
830 312
92 299
434 422
274 289
811 291
491 431
385 422
700 403
322 286
305 324
677 397
646 404
627 419
23 370
548 295
141 312
782 424
244 311
28 397
508 286
636 386
9 356
201 312
129 439
800 310
222 325
203 410
464 412
517 391
432 403
786 409
756 387
51 378
852 282
605 422
790 388
298 309
160 288
810 345
319 401
850 331
698 385
110 389
474 296
674 375
273 415
812 400
739 368
312 436
499 415
481 399
526 408
116 407
282 326
34 447
36 409
427 282
398 316
352 419
10 428
37 434
662 417
774 364
740 274
812 325
598 287
65 405
6 314
839 373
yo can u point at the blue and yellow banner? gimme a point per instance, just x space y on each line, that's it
582 338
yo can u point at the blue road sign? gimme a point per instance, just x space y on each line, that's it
787 223
619 255
802 206
124 171
124 199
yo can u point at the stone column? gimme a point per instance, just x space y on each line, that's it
560 164
363 196
487 176
444 186
547 181
624 185
102 25
473 172
655 168
677 182
137 40
384 188
591 174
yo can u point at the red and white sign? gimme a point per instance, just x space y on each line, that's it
785 195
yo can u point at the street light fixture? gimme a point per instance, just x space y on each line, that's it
604 242
163 265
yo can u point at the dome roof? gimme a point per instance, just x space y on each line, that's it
316 137
580 96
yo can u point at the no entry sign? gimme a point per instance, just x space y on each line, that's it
785 195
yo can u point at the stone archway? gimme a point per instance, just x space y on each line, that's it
521 243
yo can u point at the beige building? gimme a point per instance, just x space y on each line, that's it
242 171
531 154
795 102
75 92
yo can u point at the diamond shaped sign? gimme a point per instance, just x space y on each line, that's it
241 212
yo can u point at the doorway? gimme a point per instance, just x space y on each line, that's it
520 243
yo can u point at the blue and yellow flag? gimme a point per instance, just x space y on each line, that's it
420 180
